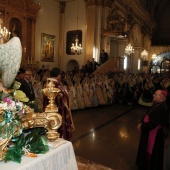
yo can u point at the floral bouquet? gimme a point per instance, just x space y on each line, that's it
12 111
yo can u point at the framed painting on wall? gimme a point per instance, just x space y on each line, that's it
47 47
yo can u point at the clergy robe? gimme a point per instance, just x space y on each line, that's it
157 121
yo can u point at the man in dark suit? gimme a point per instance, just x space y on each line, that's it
103 57
88 67
26 86
94 65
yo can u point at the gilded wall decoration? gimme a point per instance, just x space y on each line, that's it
116 22
17 3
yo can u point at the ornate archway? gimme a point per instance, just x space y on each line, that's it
72 64
162 61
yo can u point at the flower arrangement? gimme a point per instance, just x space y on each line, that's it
10 105
13 92
12 111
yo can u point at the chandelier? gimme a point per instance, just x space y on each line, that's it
153 56
144 55
4 33
76 48
129 49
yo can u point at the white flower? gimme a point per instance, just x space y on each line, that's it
4 106
19 104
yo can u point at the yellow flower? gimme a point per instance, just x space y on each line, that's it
16 85
20 95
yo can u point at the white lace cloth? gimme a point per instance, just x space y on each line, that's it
60 157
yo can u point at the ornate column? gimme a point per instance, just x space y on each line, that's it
97 46
105 43
90 32
62 6
32 45
29 51
96 21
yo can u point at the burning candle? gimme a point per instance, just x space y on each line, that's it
31 60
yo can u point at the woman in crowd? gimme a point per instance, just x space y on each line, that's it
85 92
147 95
99 92
92 93
37 85
111 88
130 90
79 95
121 89
72 96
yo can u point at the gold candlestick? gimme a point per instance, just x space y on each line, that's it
51 92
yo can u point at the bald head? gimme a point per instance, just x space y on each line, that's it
159 96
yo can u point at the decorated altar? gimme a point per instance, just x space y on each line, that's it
18 122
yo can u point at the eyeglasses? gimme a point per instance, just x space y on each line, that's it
28 74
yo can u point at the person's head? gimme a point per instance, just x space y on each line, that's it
165 79
37 77
55 73
88 61
159 96
43 66
102 51
20 73
28 75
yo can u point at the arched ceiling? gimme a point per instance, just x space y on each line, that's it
160 12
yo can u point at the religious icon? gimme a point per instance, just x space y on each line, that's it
47 47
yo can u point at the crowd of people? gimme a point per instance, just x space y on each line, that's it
91 90
103 89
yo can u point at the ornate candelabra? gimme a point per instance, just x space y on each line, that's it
51 92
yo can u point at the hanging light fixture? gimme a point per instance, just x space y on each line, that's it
76 48
153 56
4 33
129 49
144 55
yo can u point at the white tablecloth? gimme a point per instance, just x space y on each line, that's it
60 157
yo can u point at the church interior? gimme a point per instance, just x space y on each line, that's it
67 34
111 25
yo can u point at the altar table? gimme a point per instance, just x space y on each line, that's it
60 157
